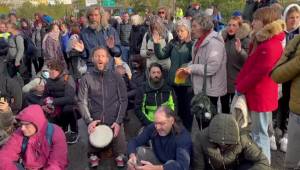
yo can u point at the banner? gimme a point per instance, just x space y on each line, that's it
90 2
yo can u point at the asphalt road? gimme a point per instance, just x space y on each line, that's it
78 152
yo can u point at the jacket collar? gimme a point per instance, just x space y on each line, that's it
270 30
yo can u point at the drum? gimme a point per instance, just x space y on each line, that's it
101 137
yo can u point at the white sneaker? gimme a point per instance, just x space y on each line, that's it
283 144
273 143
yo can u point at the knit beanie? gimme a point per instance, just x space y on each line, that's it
184 22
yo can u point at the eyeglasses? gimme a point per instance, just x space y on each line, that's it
161 12
19 124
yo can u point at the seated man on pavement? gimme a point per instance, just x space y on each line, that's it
171 144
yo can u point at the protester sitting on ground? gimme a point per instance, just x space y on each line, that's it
33 91
59 100
154 93
36 144
171 144
223 146
102 98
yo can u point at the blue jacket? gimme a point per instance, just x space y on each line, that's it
175 147
93 38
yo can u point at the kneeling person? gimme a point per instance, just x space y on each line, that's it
171 144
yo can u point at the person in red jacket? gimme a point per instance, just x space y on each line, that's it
254 81
40 152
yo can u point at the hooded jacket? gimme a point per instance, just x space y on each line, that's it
223 129
253 80
148 99
290 34
288 69
38 155
236 60
211 52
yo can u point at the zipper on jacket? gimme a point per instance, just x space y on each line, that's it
103 98
156 99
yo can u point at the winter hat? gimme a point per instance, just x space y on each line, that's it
237 14
184 22
47 19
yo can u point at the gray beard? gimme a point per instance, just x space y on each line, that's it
95 26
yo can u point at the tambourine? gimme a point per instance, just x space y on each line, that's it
101 137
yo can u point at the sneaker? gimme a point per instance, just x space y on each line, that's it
72 137
120 161
283 144
94 161
273 143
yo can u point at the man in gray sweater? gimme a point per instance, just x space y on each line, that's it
102 98
16 49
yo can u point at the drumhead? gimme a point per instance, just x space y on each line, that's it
101 137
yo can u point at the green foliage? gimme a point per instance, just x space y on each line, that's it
57 11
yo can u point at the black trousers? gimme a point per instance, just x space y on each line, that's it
65 119
184 95
224 103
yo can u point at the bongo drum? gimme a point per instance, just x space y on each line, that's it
101 137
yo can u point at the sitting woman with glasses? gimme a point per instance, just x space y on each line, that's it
36 144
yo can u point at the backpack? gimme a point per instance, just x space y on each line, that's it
3 46
30 49
49 135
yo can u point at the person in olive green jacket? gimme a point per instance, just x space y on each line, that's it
179 51
288 69
223 146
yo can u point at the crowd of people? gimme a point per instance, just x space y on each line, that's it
238 83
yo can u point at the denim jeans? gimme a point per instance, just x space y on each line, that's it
259 131
125 53
293 148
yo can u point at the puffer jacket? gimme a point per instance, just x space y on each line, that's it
102 96
223 129
211 52
288 69
63 91
254 78
236 60
39 154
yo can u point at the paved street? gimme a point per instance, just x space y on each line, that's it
78 152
